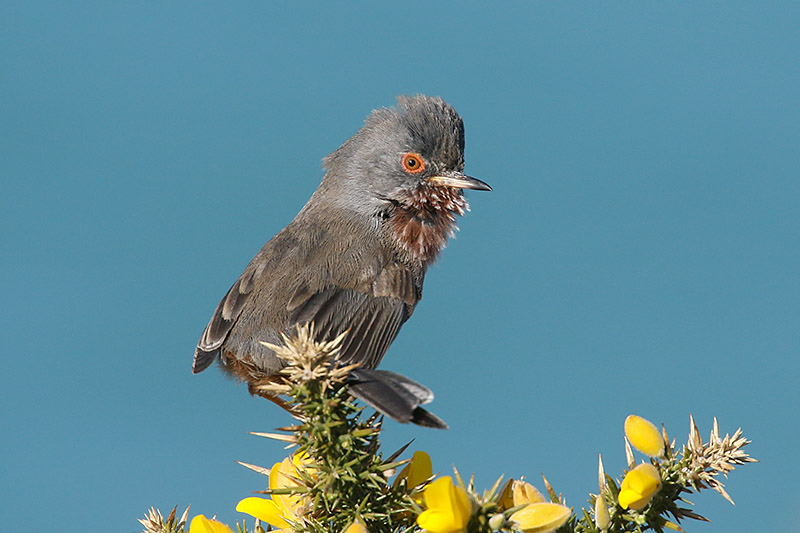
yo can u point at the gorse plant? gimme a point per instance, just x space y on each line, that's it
337 480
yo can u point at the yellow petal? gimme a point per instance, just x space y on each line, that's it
463 505
439 493
631 499
539 517
356 527
287 473
436 521
302 461
201 524
263 509
524 492
506 499
277 479
283 476
448 507
639 486
419 469
644 436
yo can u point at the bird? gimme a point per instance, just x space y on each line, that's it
354 258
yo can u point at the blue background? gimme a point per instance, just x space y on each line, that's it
639 253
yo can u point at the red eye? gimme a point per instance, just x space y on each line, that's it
413 163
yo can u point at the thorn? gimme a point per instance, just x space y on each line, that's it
275 436
672 525
397 454
550 492
629 455
458 477
601 474
724 494
255 468
695 442
493 490
288 428
714 439
184 516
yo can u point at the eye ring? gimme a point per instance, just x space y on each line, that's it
413 163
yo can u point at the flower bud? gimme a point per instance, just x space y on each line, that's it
644 436
540 517
496 522
601 517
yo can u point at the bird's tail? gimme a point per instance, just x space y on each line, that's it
394 395
203 359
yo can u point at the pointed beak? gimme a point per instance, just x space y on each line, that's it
460 181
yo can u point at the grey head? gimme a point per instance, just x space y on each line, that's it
416 143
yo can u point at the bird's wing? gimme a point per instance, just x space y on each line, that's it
371 313
222 321
371 309
372 317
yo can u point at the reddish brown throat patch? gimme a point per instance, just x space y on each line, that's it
425 217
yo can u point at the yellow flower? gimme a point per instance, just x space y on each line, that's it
266 510
523 492
448 507
518 492
356 527
418 470
540 517
506 499
644 436
201 524
639 486
281 509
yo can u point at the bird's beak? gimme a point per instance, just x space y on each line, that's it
460 181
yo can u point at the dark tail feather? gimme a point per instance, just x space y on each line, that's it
203 359
394 395
422 393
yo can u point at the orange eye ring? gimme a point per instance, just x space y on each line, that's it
413 163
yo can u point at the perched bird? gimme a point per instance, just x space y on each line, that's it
355 257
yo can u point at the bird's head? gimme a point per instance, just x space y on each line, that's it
406 164
418 143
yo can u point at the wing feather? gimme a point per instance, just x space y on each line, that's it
372 323
221 323
371 312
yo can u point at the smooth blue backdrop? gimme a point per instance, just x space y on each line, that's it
639 253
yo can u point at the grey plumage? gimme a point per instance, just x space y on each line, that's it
355 256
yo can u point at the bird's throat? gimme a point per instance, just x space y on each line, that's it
425 217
